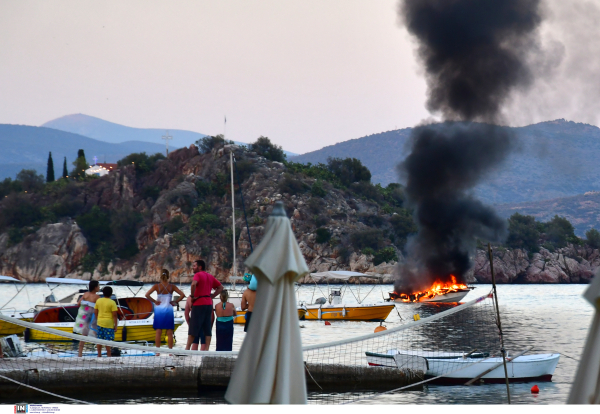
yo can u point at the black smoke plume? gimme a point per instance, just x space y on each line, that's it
475 53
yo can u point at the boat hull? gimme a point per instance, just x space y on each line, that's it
447 298
135 330
241 316
349 313
458 370
7 328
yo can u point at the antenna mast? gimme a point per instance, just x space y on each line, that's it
167 138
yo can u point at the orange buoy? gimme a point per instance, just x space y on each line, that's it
380 328
535 389
327 323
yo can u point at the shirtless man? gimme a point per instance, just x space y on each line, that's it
248 298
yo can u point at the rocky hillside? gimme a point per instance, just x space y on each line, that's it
572 264
581 210
151 214
554 159
155 213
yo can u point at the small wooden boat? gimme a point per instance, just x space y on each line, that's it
7 328
361 312
460 368
333 309
135 314
241 319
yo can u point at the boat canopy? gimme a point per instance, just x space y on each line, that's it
10 279
123 283
68 281
340 275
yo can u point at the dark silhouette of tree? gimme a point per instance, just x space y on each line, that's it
593 238
50 169
265 148
65 173
80 164
523 233
348 170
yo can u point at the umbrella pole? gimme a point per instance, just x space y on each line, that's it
502 350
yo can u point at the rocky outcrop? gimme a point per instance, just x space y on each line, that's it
55 250
572 264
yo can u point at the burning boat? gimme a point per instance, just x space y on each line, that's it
438 292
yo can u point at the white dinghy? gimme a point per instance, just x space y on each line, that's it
459 367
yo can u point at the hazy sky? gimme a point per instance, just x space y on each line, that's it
304 73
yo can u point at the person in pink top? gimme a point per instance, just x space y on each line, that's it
202 305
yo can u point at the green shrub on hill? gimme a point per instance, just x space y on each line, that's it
372 238
559 232
323 235
265 148
208 143
317 189
143 163
292 186
387 254
348 170
523 233
203 218
593 238
173 225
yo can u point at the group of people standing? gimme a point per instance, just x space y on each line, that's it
200 314
98 315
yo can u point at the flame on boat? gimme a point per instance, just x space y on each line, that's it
438 288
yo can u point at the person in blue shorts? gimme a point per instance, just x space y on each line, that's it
106 315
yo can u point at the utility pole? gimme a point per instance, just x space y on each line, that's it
167 138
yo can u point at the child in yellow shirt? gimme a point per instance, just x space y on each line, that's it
106 315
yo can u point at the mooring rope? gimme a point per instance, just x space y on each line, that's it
46 392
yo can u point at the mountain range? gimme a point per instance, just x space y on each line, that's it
28 147
554 159
106 131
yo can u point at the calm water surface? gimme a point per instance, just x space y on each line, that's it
552 318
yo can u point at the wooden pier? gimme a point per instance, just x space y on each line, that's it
160 375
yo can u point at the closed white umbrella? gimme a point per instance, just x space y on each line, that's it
586 387
270 368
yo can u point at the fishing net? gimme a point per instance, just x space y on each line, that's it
445 338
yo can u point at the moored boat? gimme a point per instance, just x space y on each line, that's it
241 315
459 367
333 308
7 328
135 314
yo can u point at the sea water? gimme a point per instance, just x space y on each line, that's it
551 318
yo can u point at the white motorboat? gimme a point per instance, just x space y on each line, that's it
7 328
333 307
460 367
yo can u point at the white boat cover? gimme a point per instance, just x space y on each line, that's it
68 281
339 275
10 279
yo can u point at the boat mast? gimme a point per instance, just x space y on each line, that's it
232 209
502 350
